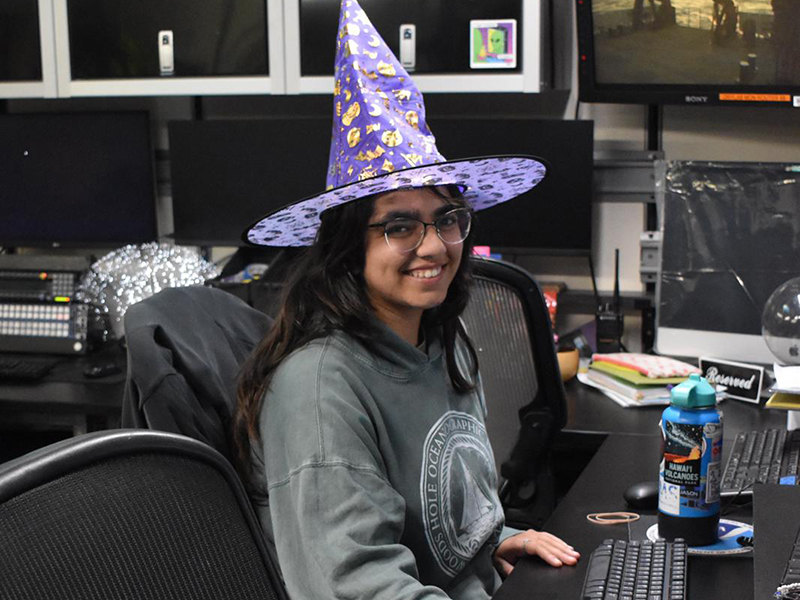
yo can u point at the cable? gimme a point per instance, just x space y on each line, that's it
729 505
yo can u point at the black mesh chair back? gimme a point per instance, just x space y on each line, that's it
508 322
129 515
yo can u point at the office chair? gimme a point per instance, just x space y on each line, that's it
509 325
185 348
128 514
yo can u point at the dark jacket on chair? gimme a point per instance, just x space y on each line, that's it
185 348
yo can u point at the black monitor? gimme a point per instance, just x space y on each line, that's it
228 173
555 217
726 52
76 180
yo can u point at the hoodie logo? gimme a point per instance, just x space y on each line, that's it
461 509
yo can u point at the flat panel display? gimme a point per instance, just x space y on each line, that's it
76 179
698 52
226 174
556 216
731 236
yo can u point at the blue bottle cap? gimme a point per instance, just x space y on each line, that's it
695 392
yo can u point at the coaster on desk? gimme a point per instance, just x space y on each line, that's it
727 544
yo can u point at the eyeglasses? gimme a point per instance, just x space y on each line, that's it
405 234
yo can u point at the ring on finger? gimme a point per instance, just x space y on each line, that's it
525 542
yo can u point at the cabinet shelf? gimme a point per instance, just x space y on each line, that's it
91 48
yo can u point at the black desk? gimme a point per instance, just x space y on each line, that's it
591 412
65 399
622 459
592 416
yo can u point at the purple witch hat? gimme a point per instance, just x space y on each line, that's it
381 142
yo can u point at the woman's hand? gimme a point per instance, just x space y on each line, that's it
546 546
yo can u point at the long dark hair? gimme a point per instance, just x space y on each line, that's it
327 292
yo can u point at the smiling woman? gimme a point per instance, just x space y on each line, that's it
360 420
407 270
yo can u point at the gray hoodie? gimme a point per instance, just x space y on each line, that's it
381 478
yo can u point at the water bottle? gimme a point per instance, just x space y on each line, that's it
689 477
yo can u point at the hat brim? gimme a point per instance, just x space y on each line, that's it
486 181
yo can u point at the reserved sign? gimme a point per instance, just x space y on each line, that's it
740 381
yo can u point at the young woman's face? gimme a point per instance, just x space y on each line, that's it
401 286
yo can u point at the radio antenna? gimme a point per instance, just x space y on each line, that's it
616 280
594 283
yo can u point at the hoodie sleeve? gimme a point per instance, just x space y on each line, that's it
337 520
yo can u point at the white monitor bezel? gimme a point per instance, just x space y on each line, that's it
695 343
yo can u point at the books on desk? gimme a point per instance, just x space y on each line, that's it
630 383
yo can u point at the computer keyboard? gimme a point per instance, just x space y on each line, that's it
766 456
25 368
637 571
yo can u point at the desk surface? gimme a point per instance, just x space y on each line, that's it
589 411
621 460
65 397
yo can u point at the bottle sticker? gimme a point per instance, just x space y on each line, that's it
683 449
712 483
669 498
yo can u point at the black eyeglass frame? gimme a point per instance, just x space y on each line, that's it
425 225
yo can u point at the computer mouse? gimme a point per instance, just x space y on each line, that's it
642 495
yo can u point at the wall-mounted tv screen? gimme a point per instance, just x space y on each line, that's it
228 173
76 179
697 52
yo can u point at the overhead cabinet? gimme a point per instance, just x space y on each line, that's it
436 37
69 48
27 55
168 47
126 38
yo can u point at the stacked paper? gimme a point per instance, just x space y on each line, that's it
632 379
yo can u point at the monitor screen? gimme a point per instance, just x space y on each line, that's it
555 217
226 174
76 179
697 52
731 236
